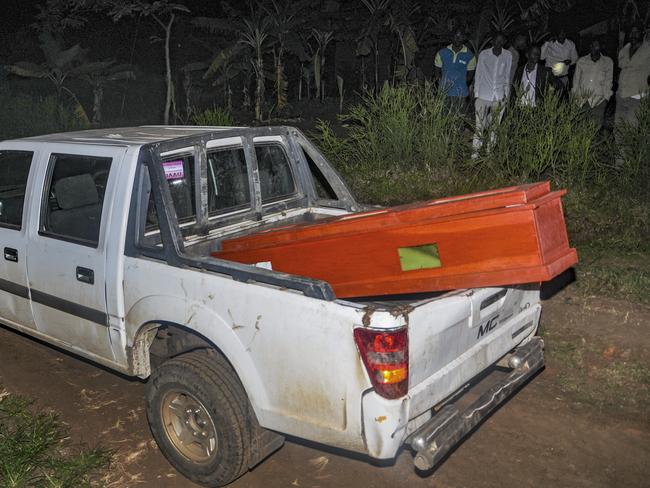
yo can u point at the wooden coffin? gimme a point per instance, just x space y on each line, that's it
502 237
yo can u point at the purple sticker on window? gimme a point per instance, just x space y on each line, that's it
174 170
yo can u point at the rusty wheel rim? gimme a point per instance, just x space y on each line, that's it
189 427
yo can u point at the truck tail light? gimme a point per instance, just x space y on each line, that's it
386 358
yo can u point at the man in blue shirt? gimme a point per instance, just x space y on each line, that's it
454 66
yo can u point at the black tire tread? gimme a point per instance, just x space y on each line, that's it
217 375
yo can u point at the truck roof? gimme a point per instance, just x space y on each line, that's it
127 136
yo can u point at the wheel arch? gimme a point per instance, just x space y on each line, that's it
201 327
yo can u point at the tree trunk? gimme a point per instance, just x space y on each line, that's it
376 67
281 83
168 67
317 74
187 86
259 91
98 95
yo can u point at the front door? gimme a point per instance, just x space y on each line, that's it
14 295
66 260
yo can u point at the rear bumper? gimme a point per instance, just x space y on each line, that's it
433 440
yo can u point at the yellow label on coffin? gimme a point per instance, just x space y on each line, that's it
419 257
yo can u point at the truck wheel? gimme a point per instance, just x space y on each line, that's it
198 412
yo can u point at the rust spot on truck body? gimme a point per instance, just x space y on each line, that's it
367 315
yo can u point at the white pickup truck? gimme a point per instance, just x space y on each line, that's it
107 236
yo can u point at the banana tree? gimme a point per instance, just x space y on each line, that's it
286 17
98 75
400 23
59 66
503 16
368 41
322 39
164 14
254 34
225 67
188 71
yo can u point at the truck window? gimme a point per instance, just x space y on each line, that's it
14 170
179 172
324 190
228 186
72 202
276 180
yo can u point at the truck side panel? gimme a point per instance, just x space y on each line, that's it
295 355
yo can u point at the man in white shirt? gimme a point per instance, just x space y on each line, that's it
491 88
560 53
592 83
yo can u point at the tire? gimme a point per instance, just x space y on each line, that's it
198 413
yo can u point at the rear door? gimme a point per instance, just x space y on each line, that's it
67 253
15 166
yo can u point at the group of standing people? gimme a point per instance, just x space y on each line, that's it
497 73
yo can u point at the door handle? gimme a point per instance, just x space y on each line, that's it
11 254
85 275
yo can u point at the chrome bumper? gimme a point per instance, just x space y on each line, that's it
438 436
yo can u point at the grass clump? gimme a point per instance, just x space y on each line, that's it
33 452
215 116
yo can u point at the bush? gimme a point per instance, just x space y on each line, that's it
23 116
215 116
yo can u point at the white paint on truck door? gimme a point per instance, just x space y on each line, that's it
66 253
15 167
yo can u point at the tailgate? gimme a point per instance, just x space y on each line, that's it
454 339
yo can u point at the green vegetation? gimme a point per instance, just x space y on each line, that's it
403 144
23 116
34 451
215 116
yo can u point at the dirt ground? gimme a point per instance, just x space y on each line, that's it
583 421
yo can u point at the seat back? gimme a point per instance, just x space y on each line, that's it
79 213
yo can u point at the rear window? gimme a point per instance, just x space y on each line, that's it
276 180
228 186
179 172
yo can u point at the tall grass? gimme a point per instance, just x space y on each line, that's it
23 116
633 145
554 140
403 141
32 453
